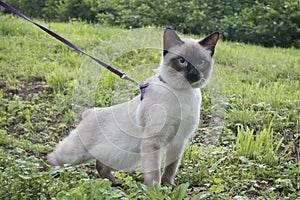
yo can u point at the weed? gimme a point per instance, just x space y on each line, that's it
259 147
41 82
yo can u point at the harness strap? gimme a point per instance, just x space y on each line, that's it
68 43
142 88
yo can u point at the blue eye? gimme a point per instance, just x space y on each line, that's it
182 61
201 63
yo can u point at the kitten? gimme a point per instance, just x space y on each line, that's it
140 133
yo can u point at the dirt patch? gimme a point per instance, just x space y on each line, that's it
26 88
28 107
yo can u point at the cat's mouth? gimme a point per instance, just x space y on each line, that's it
200 83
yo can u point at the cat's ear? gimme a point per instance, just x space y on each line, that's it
170 39
210 42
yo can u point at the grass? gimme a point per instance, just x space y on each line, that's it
260 146
254 93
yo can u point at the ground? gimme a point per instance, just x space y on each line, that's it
252 87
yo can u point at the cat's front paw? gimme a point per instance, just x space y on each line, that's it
168 183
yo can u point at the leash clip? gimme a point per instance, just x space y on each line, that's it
125 77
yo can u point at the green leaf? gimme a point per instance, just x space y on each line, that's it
25 177
217 180
180 191
196 197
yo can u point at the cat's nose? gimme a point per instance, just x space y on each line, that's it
192 71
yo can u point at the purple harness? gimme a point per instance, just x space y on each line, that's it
122 75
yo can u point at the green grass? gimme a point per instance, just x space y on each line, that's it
39 84
258 147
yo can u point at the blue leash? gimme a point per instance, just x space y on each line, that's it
122 75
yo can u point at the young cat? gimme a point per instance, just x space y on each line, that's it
140 133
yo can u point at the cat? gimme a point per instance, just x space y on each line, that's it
149 133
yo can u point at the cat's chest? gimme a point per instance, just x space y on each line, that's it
178 112
175 104
189 104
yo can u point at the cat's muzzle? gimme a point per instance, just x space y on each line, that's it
193 74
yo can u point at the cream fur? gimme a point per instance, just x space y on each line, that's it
137 133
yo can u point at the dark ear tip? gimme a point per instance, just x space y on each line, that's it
216 33
168 29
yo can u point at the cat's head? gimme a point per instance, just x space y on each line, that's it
187 62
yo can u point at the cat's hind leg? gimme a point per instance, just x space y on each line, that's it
105 172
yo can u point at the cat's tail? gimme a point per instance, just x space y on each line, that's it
68 151
71 150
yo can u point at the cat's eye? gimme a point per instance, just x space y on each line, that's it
201 63
182 61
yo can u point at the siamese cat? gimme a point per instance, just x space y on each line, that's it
150 133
